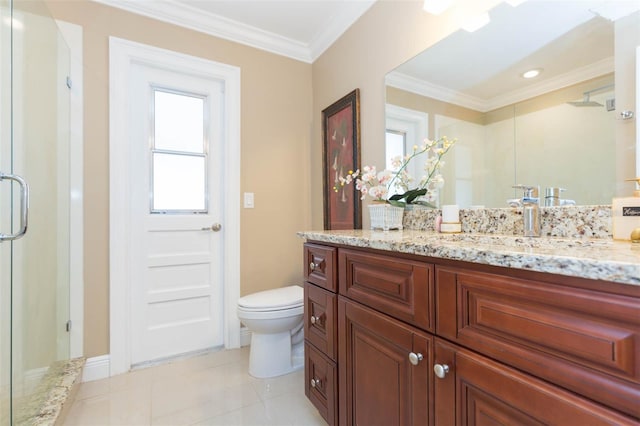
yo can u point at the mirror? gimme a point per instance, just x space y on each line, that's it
557 130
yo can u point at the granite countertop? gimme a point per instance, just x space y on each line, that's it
599 259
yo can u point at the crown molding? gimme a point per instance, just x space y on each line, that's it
420 87
441 93
218 26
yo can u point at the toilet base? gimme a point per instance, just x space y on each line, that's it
271 355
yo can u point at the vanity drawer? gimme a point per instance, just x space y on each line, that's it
399 287
320 266
320 319
585 340
320 380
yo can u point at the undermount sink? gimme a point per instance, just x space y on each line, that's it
520 241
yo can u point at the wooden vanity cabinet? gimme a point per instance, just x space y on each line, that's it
422 341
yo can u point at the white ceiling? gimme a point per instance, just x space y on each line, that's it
299 29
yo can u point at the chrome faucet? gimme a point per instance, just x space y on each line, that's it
530 210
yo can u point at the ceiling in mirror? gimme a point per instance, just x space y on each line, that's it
537 131
482 70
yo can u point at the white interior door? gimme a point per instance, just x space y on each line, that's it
176 131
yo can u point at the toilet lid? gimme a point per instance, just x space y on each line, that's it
279 298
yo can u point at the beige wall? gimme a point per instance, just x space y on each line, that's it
389 33
276 122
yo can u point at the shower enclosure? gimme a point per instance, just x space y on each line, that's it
34 148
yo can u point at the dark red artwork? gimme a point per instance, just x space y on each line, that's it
341 138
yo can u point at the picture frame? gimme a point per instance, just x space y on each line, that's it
340 154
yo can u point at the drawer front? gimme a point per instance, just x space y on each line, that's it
586 340
320 319
320 266
398 287
320 379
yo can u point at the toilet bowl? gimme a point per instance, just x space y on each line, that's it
275 319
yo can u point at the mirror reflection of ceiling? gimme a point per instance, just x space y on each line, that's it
489 62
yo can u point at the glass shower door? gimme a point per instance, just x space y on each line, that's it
5 213
34 274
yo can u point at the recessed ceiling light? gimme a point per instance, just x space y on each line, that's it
532 73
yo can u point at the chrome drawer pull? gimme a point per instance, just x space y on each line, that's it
315 383
313 266
441 370
415 358
315 320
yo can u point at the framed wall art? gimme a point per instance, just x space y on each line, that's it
341 153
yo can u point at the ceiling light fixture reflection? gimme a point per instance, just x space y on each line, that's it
475 22
514 3
532 73
436 7
15 23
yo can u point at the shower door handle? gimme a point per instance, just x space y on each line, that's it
24 207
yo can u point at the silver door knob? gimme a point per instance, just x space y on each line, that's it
215 227
441 370
415 358
315 382
313 266
314 320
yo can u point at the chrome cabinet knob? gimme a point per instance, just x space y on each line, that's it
313 266
314 320
415 358
441 370
315 383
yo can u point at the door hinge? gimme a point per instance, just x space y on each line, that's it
69 82
68 326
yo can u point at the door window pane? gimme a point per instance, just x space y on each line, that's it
179 122
178 182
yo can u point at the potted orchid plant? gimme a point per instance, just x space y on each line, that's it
377 185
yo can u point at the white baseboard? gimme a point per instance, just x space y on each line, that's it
96 368
245 336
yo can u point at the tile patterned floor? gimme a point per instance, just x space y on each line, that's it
210 389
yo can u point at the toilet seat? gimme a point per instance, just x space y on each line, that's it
278 299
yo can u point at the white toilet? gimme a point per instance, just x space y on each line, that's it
275 319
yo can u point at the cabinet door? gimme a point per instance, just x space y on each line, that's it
320 308
479 391
379 384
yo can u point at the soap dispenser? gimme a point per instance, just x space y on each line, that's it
530 210
625 212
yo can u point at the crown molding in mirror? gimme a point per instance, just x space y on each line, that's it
421 87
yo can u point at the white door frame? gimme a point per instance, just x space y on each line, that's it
122 53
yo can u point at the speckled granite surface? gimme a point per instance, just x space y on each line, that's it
565 222
44 405
600 259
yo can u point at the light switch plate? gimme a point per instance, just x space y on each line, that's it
248 200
